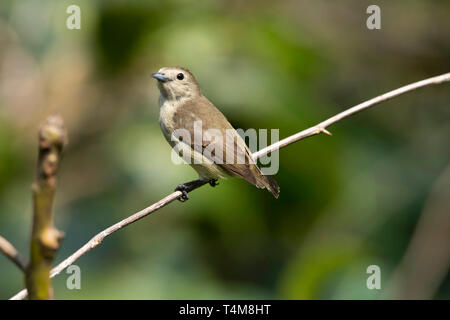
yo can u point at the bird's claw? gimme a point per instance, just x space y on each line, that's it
182 188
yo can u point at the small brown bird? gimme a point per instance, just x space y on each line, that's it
183 108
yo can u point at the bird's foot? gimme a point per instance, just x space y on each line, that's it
187 187
184 190
213 182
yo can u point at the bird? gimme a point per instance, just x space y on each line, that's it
183 108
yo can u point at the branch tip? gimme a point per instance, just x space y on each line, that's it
12 254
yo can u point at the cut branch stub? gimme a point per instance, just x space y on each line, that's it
45 238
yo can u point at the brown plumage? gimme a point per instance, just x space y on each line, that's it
182 105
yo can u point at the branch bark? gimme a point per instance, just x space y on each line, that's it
45 238
11 253
317 129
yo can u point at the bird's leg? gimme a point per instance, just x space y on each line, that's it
187 187
213 182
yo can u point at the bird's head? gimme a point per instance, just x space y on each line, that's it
176 83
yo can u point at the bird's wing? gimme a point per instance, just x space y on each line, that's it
212 134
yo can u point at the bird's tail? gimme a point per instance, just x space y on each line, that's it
266 182
254 175
271 185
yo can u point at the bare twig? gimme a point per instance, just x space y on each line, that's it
11 253
319 128
45 238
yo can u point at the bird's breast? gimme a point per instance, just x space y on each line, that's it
167 110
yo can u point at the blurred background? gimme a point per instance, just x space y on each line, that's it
375 193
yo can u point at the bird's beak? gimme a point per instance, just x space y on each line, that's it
161 77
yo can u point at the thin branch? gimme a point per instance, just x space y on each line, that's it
319 128
45 238
11 253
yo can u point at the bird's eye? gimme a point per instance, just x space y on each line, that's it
180 76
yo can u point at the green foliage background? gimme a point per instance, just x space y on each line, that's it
347 201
